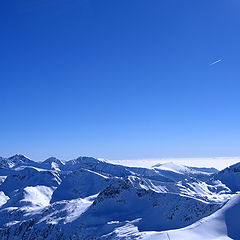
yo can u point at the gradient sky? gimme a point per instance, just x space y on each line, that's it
120 79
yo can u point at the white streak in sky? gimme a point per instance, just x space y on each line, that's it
219 60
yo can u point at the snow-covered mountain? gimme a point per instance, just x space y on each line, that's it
16 160
87 198
230 176
53 163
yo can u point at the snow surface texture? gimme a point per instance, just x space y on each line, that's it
88 198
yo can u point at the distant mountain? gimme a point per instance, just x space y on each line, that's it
53 163
15 161
178 172
87 198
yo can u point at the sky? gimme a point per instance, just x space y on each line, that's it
120 79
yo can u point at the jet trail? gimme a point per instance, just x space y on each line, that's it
213 63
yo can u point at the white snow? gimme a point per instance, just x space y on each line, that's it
38 196
3 198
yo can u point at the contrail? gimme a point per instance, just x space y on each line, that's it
219 60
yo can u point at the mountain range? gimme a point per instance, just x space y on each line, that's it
88 198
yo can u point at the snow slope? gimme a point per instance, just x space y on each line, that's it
221 225
79 184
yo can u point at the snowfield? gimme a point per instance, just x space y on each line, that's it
88 198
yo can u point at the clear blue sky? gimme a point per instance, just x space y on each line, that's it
120 79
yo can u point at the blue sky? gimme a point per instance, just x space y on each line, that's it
120 79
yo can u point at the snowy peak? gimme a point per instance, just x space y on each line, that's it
15 161
82 161
230 176
19 157
53 163
53 159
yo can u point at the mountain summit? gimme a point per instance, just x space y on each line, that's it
16 160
